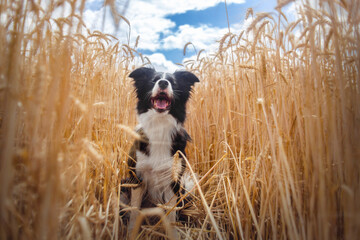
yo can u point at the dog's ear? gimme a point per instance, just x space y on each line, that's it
142 74
186 76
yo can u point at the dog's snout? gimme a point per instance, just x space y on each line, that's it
163 84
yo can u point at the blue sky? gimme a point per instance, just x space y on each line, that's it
215 17
165 26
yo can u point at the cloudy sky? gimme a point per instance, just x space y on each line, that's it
165 26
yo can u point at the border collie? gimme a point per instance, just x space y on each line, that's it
161 110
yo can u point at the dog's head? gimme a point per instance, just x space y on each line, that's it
163 92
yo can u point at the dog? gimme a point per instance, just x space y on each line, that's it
161 111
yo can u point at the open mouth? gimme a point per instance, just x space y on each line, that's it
161 102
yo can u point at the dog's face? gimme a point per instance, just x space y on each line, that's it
163 92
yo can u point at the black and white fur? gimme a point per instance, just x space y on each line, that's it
161 110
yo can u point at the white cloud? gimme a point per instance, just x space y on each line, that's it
166 7
292 11
94 20
148 20
161 64
203 37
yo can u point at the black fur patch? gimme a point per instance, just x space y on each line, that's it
179 144
141 145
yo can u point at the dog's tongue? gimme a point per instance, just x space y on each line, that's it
161 104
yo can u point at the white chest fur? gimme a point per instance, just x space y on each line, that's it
155 169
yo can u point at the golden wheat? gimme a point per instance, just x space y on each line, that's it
274 123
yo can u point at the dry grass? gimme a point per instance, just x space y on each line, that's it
275 123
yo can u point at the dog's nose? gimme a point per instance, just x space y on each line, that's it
163 84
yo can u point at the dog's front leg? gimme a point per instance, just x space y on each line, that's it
136 198
172 214
171 200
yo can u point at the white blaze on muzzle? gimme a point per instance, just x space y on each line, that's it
162 94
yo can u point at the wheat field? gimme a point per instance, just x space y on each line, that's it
275 126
